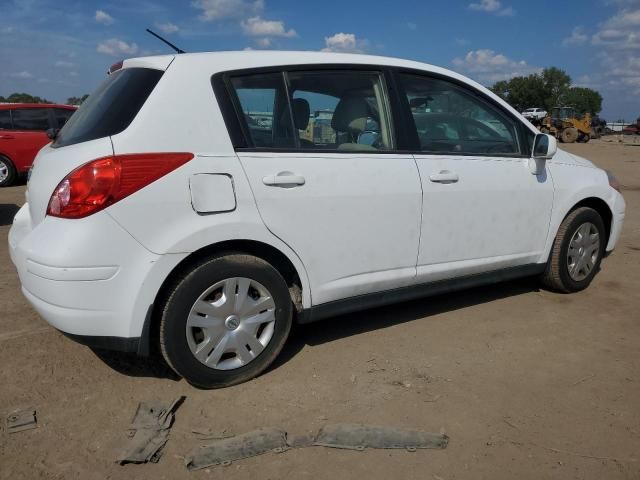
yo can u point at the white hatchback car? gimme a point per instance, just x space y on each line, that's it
203 202
534 113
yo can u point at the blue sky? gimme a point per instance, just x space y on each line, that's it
57 49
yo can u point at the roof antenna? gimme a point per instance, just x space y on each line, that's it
179 50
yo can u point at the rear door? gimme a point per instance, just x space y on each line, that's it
27 136
483 209
327 179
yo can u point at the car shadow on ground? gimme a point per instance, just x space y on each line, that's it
382 317
7 212
131 365
339 327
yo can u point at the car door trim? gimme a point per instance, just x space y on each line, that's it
379 299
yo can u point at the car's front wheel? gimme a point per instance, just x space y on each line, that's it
577 251
225 320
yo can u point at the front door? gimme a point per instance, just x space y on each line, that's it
327 181
483 209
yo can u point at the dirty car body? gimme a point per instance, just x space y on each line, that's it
218 197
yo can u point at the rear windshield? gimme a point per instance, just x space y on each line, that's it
111 108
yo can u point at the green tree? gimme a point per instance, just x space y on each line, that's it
556 83
548 89
522 92
584 100
25 98
77 100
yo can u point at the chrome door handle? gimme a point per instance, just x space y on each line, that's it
444 176
283 179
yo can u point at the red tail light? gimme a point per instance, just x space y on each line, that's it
102 182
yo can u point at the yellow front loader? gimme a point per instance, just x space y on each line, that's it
566 126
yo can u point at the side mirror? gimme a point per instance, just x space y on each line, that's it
52 133
544 148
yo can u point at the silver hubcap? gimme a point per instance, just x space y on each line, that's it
231 323
584 249
4 171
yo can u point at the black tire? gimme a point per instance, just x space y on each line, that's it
10 177
557 276
181 296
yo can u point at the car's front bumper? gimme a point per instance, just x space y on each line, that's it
617 221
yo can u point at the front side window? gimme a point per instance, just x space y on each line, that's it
31 119
263 103
449 119
345 111
5 120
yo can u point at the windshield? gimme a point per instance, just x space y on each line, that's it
111 107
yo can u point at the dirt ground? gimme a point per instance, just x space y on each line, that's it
527 383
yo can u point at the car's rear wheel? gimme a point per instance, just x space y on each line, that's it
225 320
7 172
577 251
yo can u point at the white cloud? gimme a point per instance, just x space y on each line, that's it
263 42
345 43
117 47
488 67
618 39
577 37
492 6
23 75
103 17
63 64
221 9
168 27
258 27
622 31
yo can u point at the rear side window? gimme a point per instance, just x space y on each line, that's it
31 119
5 120
340 110
325 110
62 116
111 108
263 103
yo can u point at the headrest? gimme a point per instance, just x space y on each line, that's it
350 115
301 110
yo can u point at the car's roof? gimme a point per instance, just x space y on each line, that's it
245 59
7 106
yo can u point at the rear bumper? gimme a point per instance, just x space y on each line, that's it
88 278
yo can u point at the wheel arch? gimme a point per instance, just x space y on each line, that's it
270 254
592 201
599 206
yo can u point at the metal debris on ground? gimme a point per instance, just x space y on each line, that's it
21 420
149 431
226 450
359 437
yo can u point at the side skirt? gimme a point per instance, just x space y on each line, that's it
378 299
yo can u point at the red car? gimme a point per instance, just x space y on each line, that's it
23 132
